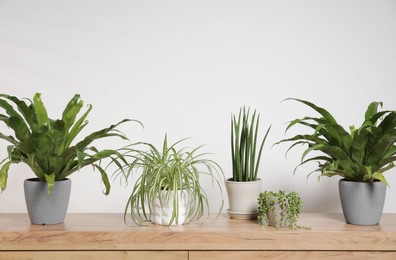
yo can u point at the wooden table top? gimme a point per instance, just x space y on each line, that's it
109 232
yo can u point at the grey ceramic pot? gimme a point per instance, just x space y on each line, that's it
44 208
362 202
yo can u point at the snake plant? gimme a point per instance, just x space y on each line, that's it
163 171
48 146
244 133
363 154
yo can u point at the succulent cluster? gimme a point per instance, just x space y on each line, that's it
274 204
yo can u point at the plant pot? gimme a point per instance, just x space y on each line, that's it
162 209
242 198
277 216
44 208
362 202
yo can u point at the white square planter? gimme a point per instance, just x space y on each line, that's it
162 208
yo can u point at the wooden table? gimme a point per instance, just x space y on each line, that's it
105 236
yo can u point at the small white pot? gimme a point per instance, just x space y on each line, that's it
243 198
161 214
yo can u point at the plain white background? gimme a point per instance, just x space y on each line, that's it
182 68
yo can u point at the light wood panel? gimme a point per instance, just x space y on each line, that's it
257 255
108 232
88 255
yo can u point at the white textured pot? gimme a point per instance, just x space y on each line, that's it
242 198
161 214
44 208
362 202
275 213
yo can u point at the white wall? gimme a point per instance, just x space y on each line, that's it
182 68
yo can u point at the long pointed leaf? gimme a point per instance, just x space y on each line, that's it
41 112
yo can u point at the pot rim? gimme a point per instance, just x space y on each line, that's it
37 180
230 180
361 182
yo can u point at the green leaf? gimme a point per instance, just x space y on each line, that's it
320 110
41 112
105 132
379 176
21 131
359 144
71 111
24 109
372 110
4 175
350 169
43 142
377 152
10 111
105 179
50 179
14 121
81 158
387 167
77 127
9 138
388 124
260 151
316 158
310 149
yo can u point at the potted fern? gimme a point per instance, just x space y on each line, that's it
244 187
360 157
168 190
50 149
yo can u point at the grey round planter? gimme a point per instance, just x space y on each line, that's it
44 208
243 198
362 202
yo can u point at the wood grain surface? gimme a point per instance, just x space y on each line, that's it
88 255
306 255
329 232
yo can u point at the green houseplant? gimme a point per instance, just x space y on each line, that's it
246 150
168 189
279 209
49 148
360 157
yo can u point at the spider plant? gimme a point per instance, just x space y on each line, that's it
46 145
244 132
162 172
361 155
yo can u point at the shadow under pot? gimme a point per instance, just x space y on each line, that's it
362 202
44 208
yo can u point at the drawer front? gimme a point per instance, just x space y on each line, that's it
87 255
254 255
